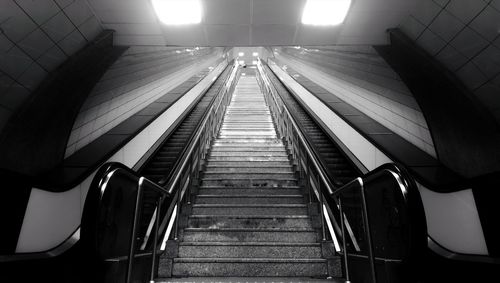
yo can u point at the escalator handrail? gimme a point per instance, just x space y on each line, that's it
317 165
109 169
183 161
192 138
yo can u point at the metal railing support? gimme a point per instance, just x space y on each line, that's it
133 233
155 239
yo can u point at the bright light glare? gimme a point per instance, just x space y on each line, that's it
243 74
325 12
178 12
241 54
255 54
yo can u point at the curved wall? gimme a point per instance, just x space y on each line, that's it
36 37
138 77
360 77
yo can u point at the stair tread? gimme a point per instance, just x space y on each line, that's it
286 244
297 229
249 205
249 259
249 216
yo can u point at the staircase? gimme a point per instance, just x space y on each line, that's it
250 216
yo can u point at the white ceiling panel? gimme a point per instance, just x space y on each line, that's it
287 12
184 35
135 29
126 16
273 34
227 12
313 35
231 35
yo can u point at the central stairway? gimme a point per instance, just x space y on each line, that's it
250 216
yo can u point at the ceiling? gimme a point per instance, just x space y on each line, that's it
250 23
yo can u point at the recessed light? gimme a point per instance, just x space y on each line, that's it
254 62
325 12
242 62
241 54
178 12
243 74
255 54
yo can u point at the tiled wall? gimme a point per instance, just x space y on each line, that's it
36 36
137 78
464 35
360 77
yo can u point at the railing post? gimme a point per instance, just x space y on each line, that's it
321 201
177 210
344 240
371 256
155 238
190 183
135 224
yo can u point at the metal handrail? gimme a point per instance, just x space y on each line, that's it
179 169
195 144
394 171
109 170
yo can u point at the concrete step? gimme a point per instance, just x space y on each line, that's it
234 148
281 153
277 182
247 163
249 209
249 250
249 169
247 190
249 199
286 235
246 136
261 279
249 267
247 142
249 221
253 176
248 158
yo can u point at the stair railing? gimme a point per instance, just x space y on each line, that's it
122 183
388 185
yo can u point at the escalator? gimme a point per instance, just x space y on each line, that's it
160 164
340 169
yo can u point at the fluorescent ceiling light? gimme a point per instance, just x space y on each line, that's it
254 62
243 74
178 12
242 62
255 54
325 12
241 54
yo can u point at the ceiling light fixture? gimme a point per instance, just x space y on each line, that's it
255 54
241 54
178 12
325 12
254 62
